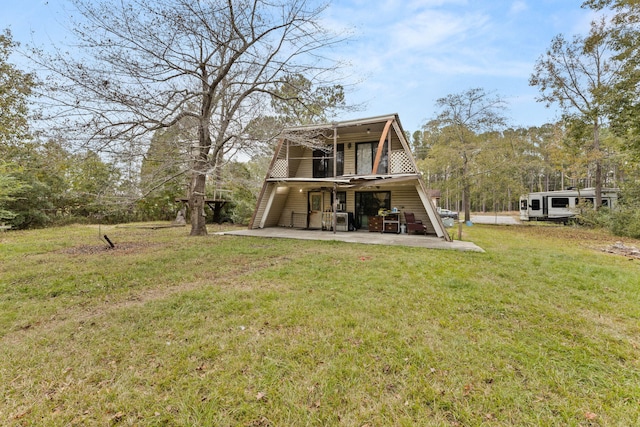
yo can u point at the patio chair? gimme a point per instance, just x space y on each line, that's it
414 224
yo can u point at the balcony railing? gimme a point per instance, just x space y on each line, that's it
399 163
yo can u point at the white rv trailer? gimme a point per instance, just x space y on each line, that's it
561 205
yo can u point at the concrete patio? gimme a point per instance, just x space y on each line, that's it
363 237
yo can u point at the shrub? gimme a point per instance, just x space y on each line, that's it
625 221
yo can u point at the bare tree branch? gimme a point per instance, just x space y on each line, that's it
143 65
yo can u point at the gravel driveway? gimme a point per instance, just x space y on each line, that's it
495 219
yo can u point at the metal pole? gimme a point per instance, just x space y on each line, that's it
335 171
335 206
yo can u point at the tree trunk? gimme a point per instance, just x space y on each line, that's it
598 177
466 197
197 205
466 189
199 181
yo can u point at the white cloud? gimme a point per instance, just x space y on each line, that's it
434 30
518 7
385 43
409 52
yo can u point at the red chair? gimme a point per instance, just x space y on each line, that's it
414 224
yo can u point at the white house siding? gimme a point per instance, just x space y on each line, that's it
406 199
296 202
305 167
349 159
351 201
263 204
295 154
273 216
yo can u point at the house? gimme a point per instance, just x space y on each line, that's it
346 176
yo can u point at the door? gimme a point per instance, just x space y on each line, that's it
315 209
524 208
535 207
368 204
365 156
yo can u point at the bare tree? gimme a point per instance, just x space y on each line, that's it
578 75
144 65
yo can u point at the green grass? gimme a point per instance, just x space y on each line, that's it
542 329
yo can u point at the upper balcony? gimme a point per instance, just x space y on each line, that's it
370 147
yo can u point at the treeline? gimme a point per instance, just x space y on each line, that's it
479 163
127 139
506 164
45 184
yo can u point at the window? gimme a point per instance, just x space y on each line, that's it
366 155
342 201
316 202
523 205
535 205
340 160
559 202
323 162
368 204
585 200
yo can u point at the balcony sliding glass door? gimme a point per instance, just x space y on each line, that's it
365 156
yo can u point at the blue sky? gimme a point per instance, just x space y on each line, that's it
408 53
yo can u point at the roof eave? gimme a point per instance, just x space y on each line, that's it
347 123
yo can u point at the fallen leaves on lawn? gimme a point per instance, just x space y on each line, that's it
590 415
468 389
619 248
120 248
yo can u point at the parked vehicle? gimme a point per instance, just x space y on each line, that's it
562 205
446 213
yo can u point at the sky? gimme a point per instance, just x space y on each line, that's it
406 54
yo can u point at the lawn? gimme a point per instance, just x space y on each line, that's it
543 329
